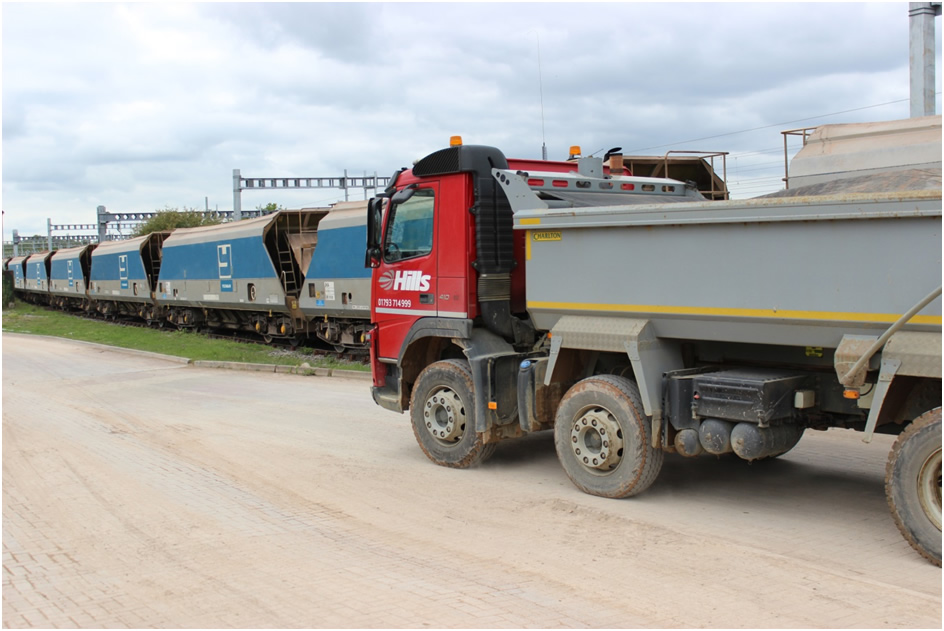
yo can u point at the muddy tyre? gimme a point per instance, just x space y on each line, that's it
442 411
913 484
603 438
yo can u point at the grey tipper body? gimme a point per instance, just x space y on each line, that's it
797 271
769 275
744 323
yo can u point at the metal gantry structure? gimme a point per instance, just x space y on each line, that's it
344 183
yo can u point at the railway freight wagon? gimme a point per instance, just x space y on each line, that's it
335 299
245 275
69 277
643 329
36 281
288 275
17 265
124 274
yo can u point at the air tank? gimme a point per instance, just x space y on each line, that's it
751 442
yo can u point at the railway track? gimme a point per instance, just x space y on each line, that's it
303 346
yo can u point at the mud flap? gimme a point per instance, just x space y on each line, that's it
494 364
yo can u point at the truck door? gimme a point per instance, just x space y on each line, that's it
405 289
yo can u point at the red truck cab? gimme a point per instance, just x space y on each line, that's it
448 294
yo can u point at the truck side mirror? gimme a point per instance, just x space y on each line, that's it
374 229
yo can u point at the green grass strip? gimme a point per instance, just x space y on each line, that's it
25 318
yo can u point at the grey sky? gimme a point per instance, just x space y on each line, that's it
142 106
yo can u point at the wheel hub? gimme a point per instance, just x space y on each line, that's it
929 488
596 439
444 415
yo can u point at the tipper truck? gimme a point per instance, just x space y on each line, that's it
634 318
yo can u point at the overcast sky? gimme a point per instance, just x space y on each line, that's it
139 107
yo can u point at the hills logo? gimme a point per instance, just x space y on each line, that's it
405 280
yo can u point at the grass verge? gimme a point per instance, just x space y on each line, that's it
25 318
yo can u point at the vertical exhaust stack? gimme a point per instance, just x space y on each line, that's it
921 55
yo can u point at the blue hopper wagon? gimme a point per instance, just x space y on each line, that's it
69 277
124 276
37 276
17 265
244 275
336 296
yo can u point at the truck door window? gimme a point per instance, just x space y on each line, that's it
410 228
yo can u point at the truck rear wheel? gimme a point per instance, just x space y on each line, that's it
442 410
913 484
603 438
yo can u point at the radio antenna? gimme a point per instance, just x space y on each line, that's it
541 88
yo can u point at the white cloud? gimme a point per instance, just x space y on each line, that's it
141 106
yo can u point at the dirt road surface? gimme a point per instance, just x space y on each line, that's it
139 492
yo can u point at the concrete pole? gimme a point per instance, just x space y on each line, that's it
49 234
237 196
921 56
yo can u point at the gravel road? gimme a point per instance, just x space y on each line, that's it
140 492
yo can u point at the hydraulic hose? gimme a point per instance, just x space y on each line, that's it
880 342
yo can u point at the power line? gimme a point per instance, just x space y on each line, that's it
744 131
741 154
757 166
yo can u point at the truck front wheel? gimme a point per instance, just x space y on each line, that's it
603 438
913 484
442 410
